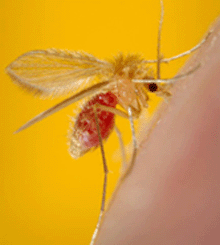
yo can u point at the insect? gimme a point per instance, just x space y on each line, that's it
124 81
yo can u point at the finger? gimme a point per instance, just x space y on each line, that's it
173 194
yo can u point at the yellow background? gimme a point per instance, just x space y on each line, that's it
46 197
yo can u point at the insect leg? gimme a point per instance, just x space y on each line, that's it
167 80
122 147
105 167
159 58
142 95
63 104
188 51
134 139
159 39
136 112
167 60
113 110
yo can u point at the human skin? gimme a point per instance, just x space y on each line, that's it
172 195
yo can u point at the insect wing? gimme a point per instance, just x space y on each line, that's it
86 92
56 72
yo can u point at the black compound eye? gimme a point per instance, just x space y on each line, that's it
152 87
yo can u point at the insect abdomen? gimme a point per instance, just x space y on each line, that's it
85 135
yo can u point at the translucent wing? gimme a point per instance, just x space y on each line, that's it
76 97
57 72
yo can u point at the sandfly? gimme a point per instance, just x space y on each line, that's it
125 81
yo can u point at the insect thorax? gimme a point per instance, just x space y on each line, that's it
127 68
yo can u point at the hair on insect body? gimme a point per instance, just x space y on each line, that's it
125 80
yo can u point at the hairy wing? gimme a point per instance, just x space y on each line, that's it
57 72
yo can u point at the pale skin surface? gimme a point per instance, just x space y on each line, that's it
172 195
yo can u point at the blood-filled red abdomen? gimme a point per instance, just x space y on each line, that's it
85 135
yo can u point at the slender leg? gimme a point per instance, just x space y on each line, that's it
122 147
142 95
167 60
167 80
118 112
113 110
159 39
134 153
64 104
105 167
188 51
